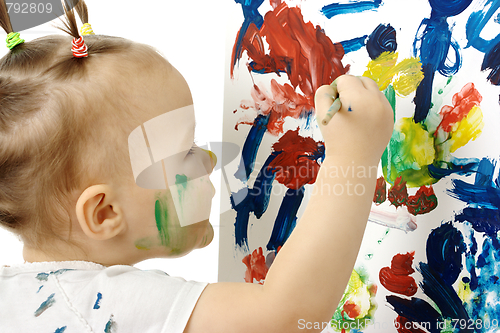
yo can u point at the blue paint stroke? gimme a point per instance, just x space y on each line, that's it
382 39
254 200
415 310
110 325
473 29
354 44
39 289
45 276
287 218
487 283
252 15
45 305
476 23
460 166
445 246
443 295
432 44
349 8
492 61
61 330
97 304
251 146
482 198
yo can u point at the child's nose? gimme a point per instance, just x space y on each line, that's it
213 158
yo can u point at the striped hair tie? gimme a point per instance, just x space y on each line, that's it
86 29
14 39
79 48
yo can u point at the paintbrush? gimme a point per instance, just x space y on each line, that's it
335 107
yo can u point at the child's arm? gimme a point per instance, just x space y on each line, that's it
310 273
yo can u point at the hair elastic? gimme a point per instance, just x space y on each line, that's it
13 39
79 48
86 29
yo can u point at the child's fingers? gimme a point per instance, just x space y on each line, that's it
324 98
368 83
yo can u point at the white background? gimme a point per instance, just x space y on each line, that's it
191 35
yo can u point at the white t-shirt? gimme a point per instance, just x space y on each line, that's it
77 297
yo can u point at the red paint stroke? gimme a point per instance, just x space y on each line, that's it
397 278
403 325
463 102
398 193
380 191
352 310
297 164
256 267
422 202
300 49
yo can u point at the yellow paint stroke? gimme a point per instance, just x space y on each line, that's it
408 72
464 292
468 129
417 149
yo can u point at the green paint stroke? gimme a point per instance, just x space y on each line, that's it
162 219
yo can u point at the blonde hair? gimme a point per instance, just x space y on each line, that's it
55 117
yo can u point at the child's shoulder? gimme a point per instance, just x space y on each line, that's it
72 292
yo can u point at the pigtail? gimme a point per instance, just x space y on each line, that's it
5 18
81 9
79 48
13 38
70 25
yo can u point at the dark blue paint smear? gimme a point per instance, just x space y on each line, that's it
349 8
432 44
382 39
445 246
461 166
251 146
354 44
492 61
415 310
482 197
252 15
286 219
97 304
61 330
449 7
443 295
254 200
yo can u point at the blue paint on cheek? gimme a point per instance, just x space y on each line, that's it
382 39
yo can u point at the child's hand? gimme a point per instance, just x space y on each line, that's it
362 127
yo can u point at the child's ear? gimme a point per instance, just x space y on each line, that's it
99 214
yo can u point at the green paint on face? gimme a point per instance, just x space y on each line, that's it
162 220
144 243
170 233
181 180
